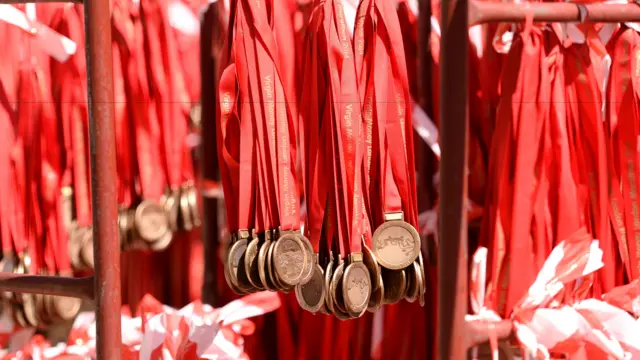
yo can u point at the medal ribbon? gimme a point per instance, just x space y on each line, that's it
279 115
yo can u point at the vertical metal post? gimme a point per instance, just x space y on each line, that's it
103 178
452 259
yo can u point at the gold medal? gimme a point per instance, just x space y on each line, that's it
172 208
411 290
185 211
395 284
251 262
289 259
263 270
377 297
163 242
66 308
423 281
194 209
328 275
372 265
86 248
74 245
356 286
310 295
396 244
311 263
336 288
236 251
151 221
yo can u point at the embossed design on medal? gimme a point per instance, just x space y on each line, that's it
251 262
290 257
151 221
310 295
356 286
396 243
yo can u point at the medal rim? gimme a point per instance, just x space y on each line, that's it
185 212
229 265
378 300
262 266
328 275
402 224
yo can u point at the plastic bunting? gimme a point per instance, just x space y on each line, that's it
552 321
197 331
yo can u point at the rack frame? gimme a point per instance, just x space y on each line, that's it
104 286
455 335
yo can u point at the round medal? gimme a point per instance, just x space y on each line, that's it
185 211
290 258
66 308
171 207
395 284
151 221
336 289
310 264
263 270
251 263
396 244
194 209
310 295
356 288
86 249
372 265
163 242
377 297
328 275
234 261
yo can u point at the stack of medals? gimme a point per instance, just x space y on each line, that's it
257 153
33 236
357 162
156 190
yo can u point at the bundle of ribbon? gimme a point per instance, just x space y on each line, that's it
554 318
196 331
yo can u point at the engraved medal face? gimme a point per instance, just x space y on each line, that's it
251 263
151 221
310 295
396 244
356 288
289 257
395 284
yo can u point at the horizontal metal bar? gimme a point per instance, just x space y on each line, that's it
481 12
48 285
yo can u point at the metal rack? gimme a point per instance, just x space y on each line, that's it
104 286
454 334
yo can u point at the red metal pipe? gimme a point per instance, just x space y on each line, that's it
452 250
48 285
103 179
481 12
